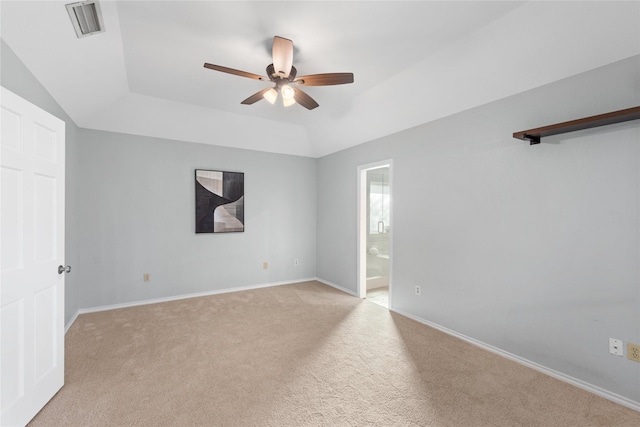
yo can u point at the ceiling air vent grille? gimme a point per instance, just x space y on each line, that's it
86 18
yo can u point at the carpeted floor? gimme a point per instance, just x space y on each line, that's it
298 355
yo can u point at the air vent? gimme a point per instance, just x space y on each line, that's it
86 18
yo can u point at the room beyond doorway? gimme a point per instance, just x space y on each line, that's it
379 296
374 236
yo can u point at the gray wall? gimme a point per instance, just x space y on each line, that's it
18 79
531 249
137 216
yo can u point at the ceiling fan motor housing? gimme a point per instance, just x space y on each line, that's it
276 77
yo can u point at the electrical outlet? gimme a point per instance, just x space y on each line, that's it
265 265
615 347
145 277
633 352
296 262
417 290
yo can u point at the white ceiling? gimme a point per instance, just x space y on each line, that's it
413 62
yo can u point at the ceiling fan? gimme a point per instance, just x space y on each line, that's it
284 75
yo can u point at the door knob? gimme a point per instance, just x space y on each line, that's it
63 269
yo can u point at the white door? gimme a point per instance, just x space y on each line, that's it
32 236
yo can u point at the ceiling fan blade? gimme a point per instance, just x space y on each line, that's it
327 79
234 72
255 97
305 100
282 52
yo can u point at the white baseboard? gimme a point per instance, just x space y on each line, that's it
621 400
377 282
338 287
179 297
71 321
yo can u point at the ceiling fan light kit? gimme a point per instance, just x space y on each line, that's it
288 95
287 92
271 95
283 74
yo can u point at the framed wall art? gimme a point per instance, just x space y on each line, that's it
219 201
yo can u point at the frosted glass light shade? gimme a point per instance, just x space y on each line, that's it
287 92
271 95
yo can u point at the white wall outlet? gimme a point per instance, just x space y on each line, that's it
145 277
265 265
418 290
296 262
615 347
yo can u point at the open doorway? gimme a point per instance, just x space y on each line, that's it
374 232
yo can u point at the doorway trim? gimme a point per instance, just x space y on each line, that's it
361 244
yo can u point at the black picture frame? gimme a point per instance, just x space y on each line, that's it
219 201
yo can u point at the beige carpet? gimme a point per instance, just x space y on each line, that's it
298 355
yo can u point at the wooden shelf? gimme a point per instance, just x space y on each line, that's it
534 135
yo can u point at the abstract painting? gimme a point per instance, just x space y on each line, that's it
219 201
